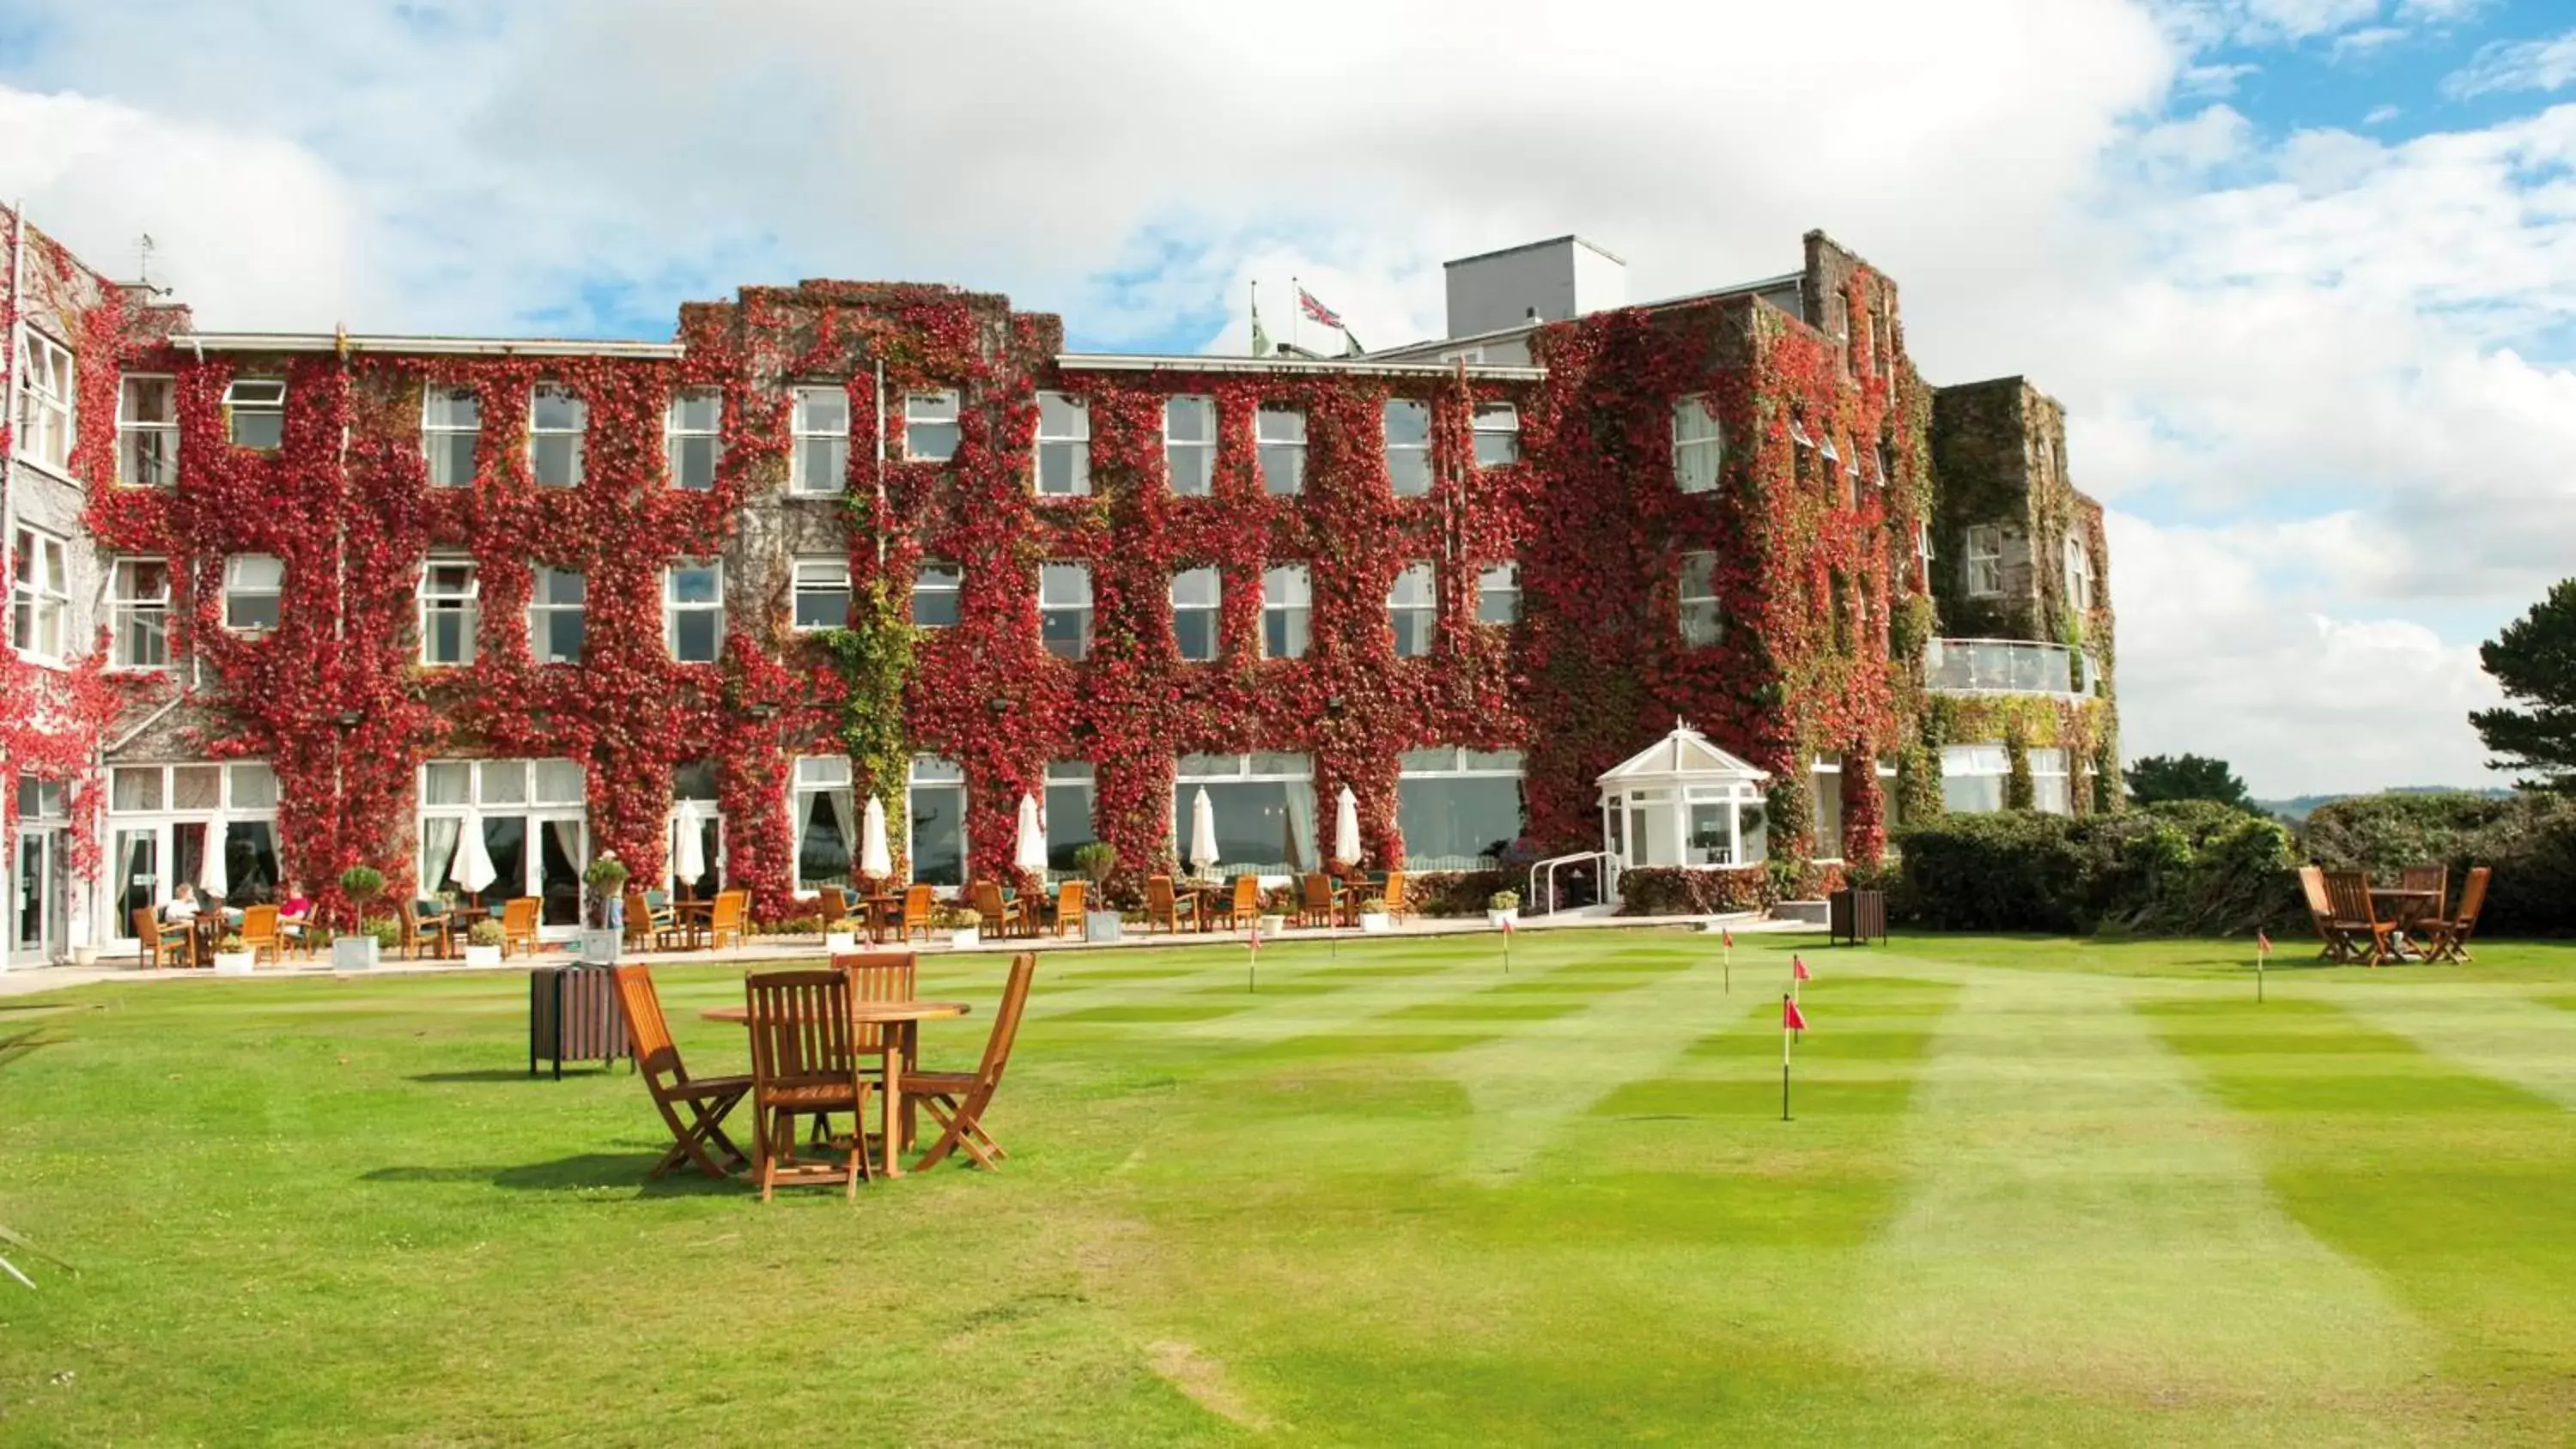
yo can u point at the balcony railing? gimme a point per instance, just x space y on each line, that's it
2010 666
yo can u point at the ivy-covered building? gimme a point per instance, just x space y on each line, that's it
343 598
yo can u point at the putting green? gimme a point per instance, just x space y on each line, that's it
2034 1191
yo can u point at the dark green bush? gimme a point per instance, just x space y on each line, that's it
2192 867
2529 840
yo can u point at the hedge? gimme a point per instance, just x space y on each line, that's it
2529 840
2187 868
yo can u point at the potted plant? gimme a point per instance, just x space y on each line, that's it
1503 906
841 936
232 956
360 949
1373 917
483 943
965 928
1096 859
604 930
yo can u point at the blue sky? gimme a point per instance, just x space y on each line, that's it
2302 271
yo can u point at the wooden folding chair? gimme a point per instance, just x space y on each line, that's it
162 952
957 1100
1165 905
435 934
804 1063
1244 907
2348 893
519 925
1396 907
916 913
1070 903
260 936
2338 943
657 1060
2447 938
725 919
1316 906
1001 918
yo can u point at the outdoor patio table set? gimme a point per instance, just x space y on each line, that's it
2373 924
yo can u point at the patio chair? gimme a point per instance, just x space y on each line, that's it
2447 938
1316 906
160 952
957 1100
1002 918
519 925
260 935
434 932
2348 893
1070 903
1243 907
725 919
1393 890
657 1060
1163 904
916 913
639 926
804 1063
2338 942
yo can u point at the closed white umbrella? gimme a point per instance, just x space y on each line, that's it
1346 828
211 877
1203 832
472 873
875 861
1032 856
689 859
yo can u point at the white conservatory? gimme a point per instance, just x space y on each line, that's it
1684 801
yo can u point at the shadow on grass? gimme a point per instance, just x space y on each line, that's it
543 1073
585 1170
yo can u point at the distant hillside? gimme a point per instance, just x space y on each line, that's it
2296 808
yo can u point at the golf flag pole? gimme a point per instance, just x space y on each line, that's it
1726 961
1252 960
1507 945
1792 1022
1798 973
2262 954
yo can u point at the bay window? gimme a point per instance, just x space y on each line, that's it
1264 806
1458 809
1972 778
1985 562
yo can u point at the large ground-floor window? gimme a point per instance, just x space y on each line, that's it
1264 806
2048 783
532 822
826 820
1972 778
693 796
1067 813
159 818
1458 809
938 821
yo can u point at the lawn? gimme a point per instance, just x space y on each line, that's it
2036 1191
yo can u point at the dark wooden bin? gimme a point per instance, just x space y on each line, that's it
1856 916
573 1016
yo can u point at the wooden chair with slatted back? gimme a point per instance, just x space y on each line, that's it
1396 906
2448 937
519 918
657 1060
160 952
1071 899
917 901
1243 908
259 934
1316 906
2338 942
804 1063
986 898
2416 915
1163 905
433 934
726 920
2348 894
957 1100
639 921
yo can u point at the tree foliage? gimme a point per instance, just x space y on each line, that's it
2159 778
2534 658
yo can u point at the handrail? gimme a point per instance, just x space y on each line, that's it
1609 875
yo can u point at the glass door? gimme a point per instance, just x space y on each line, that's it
137 862
563 852
36 930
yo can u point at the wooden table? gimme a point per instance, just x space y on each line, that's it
2405 908
901 1044
1203 913
884 911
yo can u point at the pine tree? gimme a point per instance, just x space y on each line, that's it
2534 658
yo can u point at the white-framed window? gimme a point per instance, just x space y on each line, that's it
1413 610
1923 553
693 610
139 614
821 588
1195 594
818 464
162 827
1457 809
533 818
1064 446
40 596
557 419
1264 805
1985 563
930 426
45 401
825 816
451 423
1067 815
255 413
1189 444
240 786
2049 792
254 584
1498 594
695 783
1699 445
1287 611
2079 573
1497 430
1280 435
1972 778
937 595
1825 782
1064 609
1703 618
693 438
558 602
1408 447
147 432
937 806
450 594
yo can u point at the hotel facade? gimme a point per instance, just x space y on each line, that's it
321 600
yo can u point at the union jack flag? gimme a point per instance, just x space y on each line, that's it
1318 311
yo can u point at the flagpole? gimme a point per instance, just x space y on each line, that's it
1255 343
1789 1007
1296 306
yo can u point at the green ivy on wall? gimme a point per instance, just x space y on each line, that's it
874 656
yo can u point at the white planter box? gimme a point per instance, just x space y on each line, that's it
599 948
840 943
1101 925
353 953
234 963
84 955
1376 923
1496 918
964 940
482 955
1273 925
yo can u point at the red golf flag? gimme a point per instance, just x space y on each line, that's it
1726 937
1791 1019
1798 966
1252 943
1507 925
2262 943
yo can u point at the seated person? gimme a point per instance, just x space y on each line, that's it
182 905
294 907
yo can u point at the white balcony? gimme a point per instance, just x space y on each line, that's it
2007 666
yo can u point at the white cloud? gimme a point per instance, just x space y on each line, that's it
2520 65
